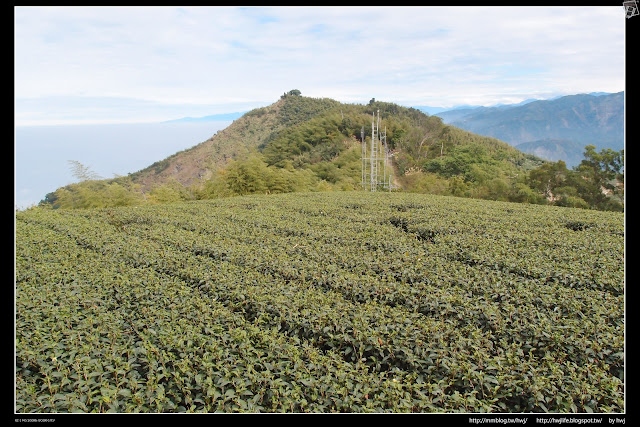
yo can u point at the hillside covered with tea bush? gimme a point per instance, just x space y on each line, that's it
320 302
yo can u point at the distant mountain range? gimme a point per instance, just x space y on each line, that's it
211 118
554 129
465 109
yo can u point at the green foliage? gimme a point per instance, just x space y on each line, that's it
320 302
596 183
96 194
548 177
298 109
170 192
426 182
602 173
522 193
247 177
315 140
254 176
459 161
293 92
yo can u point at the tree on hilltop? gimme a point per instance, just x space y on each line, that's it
292 92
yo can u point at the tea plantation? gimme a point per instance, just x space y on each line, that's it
320 302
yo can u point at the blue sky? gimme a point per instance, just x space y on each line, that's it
89 64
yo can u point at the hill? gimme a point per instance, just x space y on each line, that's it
315 144
572 121
323 135
244 135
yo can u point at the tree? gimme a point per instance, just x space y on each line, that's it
458 187
115 194
603 168
216 186
247 176
292 92
276 181
169 192
548 177
601 175
50 199
568 196
522 193
82 172
460 161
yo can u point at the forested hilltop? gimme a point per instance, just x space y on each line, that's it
314 144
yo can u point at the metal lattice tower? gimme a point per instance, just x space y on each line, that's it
376 167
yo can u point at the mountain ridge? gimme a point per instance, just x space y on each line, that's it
583 119
198 163
212 117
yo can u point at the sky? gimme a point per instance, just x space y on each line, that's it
136 64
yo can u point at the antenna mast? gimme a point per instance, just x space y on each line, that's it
378 157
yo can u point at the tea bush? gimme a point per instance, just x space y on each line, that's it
316 302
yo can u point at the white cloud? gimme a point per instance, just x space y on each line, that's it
204 56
